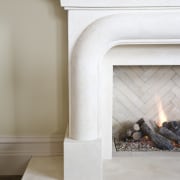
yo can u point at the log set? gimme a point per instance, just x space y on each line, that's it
164 138
161 142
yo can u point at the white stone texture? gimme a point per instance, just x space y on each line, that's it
117 3
82 160
90 49
138 89
140 166
90 105
92 33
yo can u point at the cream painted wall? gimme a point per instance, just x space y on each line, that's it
33 68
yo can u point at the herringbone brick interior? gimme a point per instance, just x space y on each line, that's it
136 88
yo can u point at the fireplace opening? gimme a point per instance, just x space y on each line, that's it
146 108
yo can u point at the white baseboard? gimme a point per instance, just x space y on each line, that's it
15 152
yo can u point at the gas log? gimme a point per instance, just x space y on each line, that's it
160 141
136 127
169 134
134 132
173 126
137 135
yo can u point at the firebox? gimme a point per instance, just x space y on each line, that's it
152 93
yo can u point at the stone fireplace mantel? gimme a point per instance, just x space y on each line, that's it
118 3
94 27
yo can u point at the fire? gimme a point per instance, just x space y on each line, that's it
161 114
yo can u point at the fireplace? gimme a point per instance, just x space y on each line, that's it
150 92
94 28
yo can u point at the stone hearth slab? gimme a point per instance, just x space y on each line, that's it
139 167
128 166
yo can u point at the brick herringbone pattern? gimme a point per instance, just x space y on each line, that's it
136 89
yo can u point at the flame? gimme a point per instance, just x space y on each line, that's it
161 114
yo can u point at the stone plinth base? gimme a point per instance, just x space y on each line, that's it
82 160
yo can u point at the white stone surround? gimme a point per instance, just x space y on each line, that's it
94 28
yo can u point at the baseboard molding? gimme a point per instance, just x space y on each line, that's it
15 152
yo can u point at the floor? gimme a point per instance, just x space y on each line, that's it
126 166
10 177
44 168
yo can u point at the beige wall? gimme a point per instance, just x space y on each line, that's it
33 68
